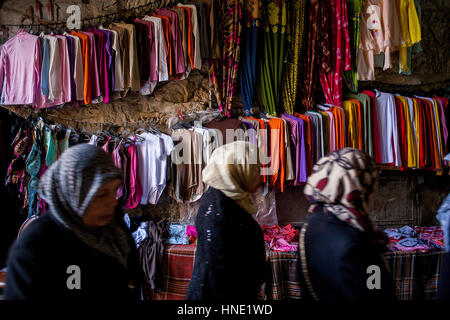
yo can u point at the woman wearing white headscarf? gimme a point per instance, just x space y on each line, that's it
230 257
81 247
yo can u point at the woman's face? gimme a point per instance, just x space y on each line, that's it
101 210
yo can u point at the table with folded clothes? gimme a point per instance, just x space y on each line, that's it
415 268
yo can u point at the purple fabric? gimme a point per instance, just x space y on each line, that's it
443 122
71 49
180 67
109 58
300 159
251 133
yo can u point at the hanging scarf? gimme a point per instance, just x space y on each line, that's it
341 184
224 71
337 48
70 185
311 56
295 41
354 14
274 51
249 53
231 169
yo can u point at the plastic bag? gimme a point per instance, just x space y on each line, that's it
266 213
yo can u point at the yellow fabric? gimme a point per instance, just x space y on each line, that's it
412 161
233 169
410 26
350 115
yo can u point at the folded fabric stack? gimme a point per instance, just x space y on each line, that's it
421 239
141 233
177 234
433 236
281 239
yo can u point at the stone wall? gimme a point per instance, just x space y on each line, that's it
402 197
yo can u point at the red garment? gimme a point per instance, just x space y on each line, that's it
339 45
375 132
401 127
422 132
428 134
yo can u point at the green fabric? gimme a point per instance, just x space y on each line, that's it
354 13
294 47
274 54
364 100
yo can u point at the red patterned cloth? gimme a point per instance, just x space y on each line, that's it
281 238
178 263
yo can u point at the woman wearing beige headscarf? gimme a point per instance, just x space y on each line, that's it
230 256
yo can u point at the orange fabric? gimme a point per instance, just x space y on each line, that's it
277 154
168 36
84 39
308 139
190 37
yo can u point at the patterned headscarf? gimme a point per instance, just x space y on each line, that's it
232 168
341 183
69 186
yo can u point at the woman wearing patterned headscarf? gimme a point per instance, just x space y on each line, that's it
340 252
230 256
80 248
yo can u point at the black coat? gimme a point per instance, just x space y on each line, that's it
230 258
338 256
444 281
39 259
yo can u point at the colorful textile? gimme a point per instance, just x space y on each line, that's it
224 71
415 274
274 51
177 265
295 42
308 80
354 15
252 13
339 50
177 234
283 239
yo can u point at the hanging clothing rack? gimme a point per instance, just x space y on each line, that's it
120 14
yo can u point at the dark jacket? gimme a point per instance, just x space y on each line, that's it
38 267
444 280
338 256
230 259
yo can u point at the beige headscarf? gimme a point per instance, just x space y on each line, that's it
232 169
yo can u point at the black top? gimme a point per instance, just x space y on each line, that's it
38 267
230 259
338 257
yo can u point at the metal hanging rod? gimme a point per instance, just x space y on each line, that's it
118 13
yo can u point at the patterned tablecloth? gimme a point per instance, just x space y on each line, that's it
415 274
